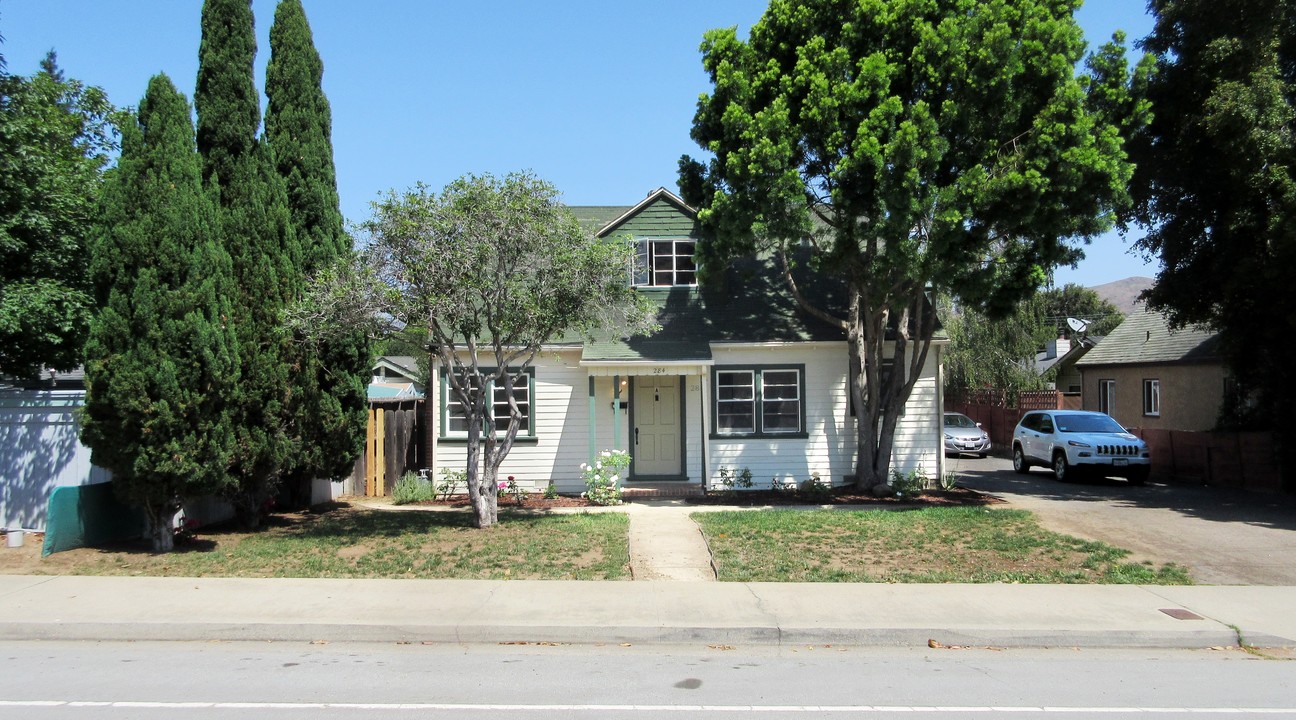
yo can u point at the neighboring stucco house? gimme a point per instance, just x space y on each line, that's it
1146 376
738 376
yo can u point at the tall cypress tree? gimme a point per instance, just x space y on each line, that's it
260 240
161 355
330 384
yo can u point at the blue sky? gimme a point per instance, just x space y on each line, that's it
596 96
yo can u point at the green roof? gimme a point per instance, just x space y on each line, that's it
1144 337
593 217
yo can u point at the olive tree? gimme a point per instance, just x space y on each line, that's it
491 269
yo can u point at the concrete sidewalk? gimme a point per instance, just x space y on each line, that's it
468 611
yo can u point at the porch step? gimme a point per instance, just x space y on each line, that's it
661 490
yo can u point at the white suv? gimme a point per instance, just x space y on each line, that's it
1071 441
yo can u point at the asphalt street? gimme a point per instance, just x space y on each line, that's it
40 680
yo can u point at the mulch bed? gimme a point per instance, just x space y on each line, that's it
846 496
758 498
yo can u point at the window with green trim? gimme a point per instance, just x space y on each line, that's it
759 401
454 417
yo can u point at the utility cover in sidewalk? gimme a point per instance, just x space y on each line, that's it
1181 614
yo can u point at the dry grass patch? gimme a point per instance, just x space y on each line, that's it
348 542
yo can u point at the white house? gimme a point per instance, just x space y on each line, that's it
737 377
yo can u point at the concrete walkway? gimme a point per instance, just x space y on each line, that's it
665 543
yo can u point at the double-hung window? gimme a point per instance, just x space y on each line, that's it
1152 398
759 401
663 263
1106 396
454 418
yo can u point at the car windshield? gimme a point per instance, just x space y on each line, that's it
962 421
1087 424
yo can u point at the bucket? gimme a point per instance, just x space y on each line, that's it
14 538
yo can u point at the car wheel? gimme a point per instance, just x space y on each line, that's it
981 455
1061 468
1020 464
1138 476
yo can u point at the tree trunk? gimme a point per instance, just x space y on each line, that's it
161 527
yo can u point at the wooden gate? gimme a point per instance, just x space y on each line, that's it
391 444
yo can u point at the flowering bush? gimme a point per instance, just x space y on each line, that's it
603 478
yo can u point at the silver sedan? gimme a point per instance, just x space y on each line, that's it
965 435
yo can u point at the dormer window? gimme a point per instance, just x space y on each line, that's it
663 263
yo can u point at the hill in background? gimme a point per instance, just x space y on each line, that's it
1123 293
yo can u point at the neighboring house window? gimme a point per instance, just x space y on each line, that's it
1106 396
454 417
1152 397
663 263
760 401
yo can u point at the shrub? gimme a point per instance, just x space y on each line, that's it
815 489
551 491
451 482
603 478
909 484
412 489
729 480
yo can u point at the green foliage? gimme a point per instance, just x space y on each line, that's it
603 478
910 484
161 357
734 479
412 488
815 490
56 136
945 145
949 481
1216 184
551 491
452 482
1072 300
330 378
259 237
995 353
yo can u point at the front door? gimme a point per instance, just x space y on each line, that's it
657 430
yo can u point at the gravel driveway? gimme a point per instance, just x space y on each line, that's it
1223 537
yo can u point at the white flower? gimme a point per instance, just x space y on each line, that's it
584 466
598 465
606 453
612 479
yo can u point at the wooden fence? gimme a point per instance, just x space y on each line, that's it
392 447
1247 460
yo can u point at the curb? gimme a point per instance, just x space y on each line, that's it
939 638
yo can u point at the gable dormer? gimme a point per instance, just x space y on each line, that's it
663 229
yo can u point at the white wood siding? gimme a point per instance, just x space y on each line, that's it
560 411
561 414
830 448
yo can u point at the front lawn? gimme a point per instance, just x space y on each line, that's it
930 545
348 542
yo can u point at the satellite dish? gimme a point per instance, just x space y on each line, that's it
1077 325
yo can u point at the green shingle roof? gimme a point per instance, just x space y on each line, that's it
593 217
1144 337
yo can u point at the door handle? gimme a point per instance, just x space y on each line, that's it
636 436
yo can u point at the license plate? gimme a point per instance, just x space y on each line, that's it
1120 462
